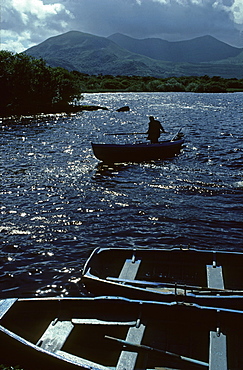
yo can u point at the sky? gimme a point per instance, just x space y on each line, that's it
25 23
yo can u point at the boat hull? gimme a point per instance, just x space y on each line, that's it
197 276
33 335
118 153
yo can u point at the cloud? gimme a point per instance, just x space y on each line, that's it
29 22
37 8
169 19
235 10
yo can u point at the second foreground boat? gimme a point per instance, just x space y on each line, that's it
206 277
108 333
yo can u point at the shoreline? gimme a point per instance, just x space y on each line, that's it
26 116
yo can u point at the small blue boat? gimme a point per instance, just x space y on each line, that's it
211 278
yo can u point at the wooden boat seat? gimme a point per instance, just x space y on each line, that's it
129 269
127 359
102 322
215 277
217 351
5 305
55 335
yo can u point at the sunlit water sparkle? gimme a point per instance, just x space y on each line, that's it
59 203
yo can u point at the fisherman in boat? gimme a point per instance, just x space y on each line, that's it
154 131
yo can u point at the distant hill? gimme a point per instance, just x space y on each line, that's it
95 55
198 50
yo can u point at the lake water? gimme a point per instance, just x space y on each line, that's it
58 202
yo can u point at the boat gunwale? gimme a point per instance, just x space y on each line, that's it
160 144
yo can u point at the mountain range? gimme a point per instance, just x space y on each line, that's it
123 55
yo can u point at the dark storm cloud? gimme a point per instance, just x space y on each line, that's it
28 22
170 19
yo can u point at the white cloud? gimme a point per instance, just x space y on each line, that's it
14 42
27 22
161 1
236 10
179 2
28 8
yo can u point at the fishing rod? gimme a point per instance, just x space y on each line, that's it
174 137
148 348
127 133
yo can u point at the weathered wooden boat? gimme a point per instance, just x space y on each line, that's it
139 152
108 334
207 277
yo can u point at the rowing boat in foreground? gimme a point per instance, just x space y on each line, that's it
119 153
115 334
206 277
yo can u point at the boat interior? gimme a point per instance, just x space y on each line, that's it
117 334
188 269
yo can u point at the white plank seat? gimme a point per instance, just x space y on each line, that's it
5 305
129 269
217 351
102 322
55 335
215 279
127 359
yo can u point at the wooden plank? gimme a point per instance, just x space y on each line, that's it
5 305
127 359
217 351
215 277
55 335
102 322
129 269
81 361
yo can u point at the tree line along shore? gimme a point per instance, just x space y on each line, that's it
29 86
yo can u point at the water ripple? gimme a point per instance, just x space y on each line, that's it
59 202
